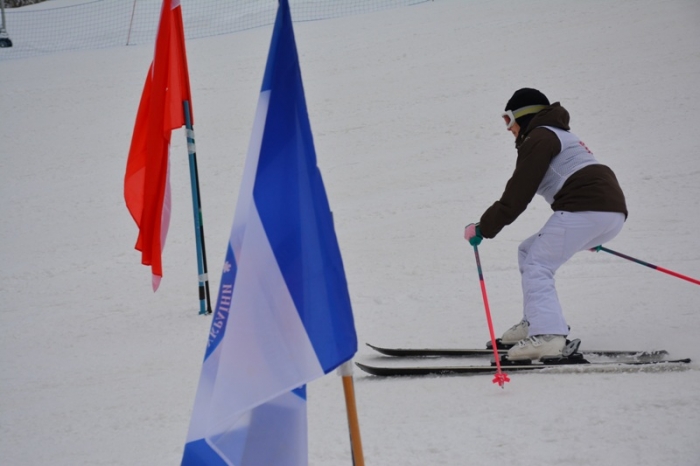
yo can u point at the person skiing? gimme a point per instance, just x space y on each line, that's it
589 210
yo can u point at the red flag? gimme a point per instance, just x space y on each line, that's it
146 183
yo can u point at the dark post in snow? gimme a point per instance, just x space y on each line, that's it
4 37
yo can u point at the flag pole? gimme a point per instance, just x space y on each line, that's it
197 209
345 371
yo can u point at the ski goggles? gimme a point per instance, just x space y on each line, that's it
511 115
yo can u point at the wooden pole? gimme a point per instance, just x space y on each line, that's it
345 371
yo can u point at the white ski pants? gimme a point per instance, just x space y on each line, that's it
539 257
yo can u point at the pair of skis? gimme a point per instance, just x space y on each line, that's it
572 358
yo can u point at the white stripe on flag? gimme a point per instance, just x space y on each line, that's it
245 196
266 328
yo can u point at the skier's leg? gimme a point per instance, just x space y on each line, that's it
564 234
519 331
539 258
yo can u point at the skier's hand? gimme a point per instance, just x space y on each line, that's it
472 233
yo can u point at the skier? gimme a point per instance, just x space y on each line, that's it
589 210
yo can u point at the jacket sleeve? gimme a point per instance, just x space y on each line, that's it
534 156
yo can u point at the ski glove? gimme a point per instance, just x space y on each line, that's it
472 233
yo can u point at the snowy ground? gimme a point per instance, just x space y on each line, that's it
405 105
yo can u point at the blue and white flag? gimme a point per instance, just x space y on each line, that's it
283 316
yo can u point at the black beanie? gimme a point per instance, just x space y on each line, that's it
525 97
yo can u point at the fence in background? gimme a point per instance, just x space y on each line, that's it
60 25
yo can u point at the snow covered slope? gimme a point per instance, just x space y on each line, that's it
405 106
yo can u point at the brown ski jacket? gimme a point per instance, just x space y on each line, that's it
591 188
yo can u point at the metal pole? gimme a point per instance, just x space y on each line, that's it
2 11
197 209
4 37
647 264
131 23
501 377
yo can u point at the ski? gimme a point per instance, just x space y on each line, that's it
472 352
522 367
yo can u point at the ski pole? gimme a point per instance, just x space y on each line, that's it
501 377
655 267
